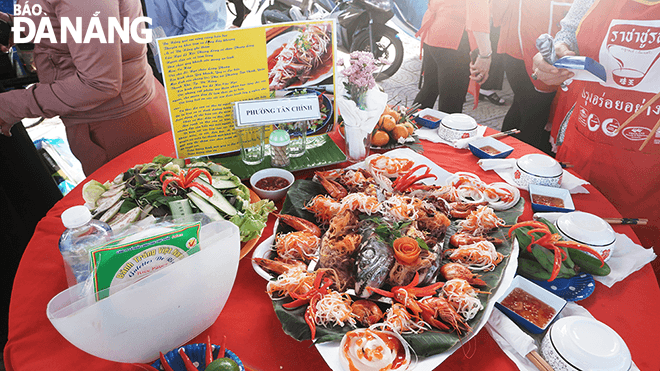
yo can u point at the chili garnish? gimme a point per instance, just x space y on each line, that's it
209 350
406 250
163 362
186 361
405 181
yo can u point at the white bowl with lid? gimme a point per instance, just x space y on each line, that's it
537 168
588 229
578 343
457 126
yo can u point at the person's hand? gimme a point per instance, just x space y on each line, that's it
549 74
562 50
5 128
479 69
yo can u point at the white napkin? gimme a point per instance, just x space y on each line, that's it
627 256
362 122
504 167
432 136
512 339
494 326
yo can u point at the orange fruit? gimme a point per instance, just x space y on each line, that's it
392 112
400 131
387 122
380 138
410 127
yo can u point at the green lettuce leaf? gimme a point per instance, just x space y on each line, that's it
425 344
253 220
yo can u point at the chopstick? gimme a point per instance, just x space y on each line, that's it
538 361
637 113
651 134
504 133
626 221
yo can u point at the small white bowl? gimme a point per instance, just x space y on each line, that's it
425 117
537 168
536 190
275 195
588 229
457 126
478 148
578 343
547 297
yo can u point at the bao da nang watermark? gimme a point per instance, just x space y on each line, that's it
26 31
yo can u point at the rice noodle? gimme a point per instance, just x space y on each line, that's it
479 256
463 297
334 308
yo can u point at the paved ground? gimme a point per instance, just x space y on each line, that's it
403 86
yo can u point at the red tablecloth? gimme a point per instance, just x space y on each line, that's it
253 331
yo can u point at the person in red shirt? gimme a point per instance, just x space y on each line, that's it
621 161
448 29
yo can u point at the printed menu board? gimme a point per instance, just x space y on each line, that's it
205 73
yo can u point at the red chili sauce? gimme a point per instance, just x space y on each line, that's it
392 342
548 201
529 307
272 183
490 150
430 118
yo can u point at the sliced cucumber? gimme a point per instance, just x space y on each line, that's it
219 183
111 211
204 206
217 200
105 203
120 222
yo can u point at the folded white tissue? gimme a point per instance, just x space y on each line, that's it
504 167
627 256
432 136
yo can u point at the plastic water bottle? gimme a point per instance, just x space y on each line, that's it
82 234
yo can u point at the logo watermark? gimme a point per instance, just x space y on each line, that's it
26 31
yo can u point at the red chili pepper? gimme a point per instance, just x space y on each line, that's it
209 350
168 172
409 182
192 174
164 364
186 361
221 353
201 187
405 176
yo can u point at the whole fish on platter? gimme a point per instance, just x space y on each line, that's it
373 262
300 58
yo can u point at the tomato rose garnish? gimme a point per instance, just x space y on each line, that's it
406 250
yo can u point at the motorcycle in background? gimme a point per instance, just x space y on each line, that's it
361 25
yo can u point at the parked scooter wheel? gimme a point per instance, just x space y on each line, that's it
388 46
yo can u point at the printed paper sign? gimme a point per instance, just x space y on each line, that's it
274 111
206 73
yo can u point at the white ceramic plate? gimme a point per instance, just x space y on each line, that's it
263 251
330 350
418 159
282 40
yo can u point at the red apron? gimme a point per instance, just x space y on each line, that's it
624 36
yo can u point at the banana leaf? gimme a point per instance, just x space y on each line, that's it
425 344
